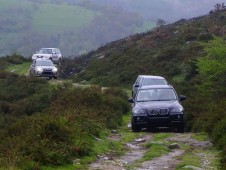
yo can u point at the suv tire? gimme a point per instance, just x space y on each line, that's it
181 128
134 126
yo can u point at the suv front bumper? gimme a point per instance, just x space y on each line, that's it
46 74
157 121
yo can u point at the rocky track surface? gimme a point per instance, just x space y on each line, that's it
136 150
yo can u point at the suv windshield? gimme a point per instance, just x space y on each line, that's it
45 51
151 81
156 95
44 63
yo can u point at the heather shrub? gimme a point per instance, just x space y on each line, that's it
90 103
46 125
45 140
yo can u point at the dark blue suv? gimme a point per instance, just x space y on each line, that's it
157 106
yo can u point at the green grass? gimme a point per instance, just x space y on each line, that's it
16 3
157 147
127 135
159 137
189 158
49 18
200 136
21 69
69 167
213 155
155 150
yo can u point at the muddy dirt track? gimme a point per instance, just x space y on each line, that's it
136 150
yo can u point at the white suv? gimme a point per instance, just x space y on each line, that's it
43 68
53 54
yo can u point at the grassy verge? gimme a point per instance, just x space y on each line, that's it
20 69
189 158
195 156
200 136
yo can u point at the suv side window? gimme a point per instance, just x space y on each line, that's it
138 80
141 80
54 51
33 63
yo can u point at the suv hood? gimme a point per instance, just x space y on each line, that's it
34 56
157 104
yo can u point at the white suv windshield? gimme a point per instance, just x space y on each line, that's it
45 51
156 95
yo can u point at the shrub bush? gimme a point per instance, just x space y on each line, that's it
45 140
68 122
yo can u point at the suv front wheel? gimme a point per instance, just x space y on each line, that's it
134 126
181 128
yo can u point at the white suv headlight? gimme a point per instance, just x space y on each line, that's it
39 69
55 69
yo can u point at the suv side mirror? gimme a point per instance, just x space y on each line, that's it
182 97
131 100
136 85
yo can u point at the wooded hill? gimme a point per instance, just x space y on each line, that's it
190 54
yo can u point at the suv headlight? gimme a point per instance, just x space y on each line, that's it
177 109
139 111
39 69
55 69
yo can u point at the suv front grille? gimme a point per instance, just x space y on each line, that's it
163 111
154 112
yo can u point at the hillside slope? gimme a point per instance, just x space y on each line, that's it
168 51
189 53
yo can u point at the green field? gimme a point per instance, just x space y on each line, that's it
52 18
21 69
4 5
49 18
